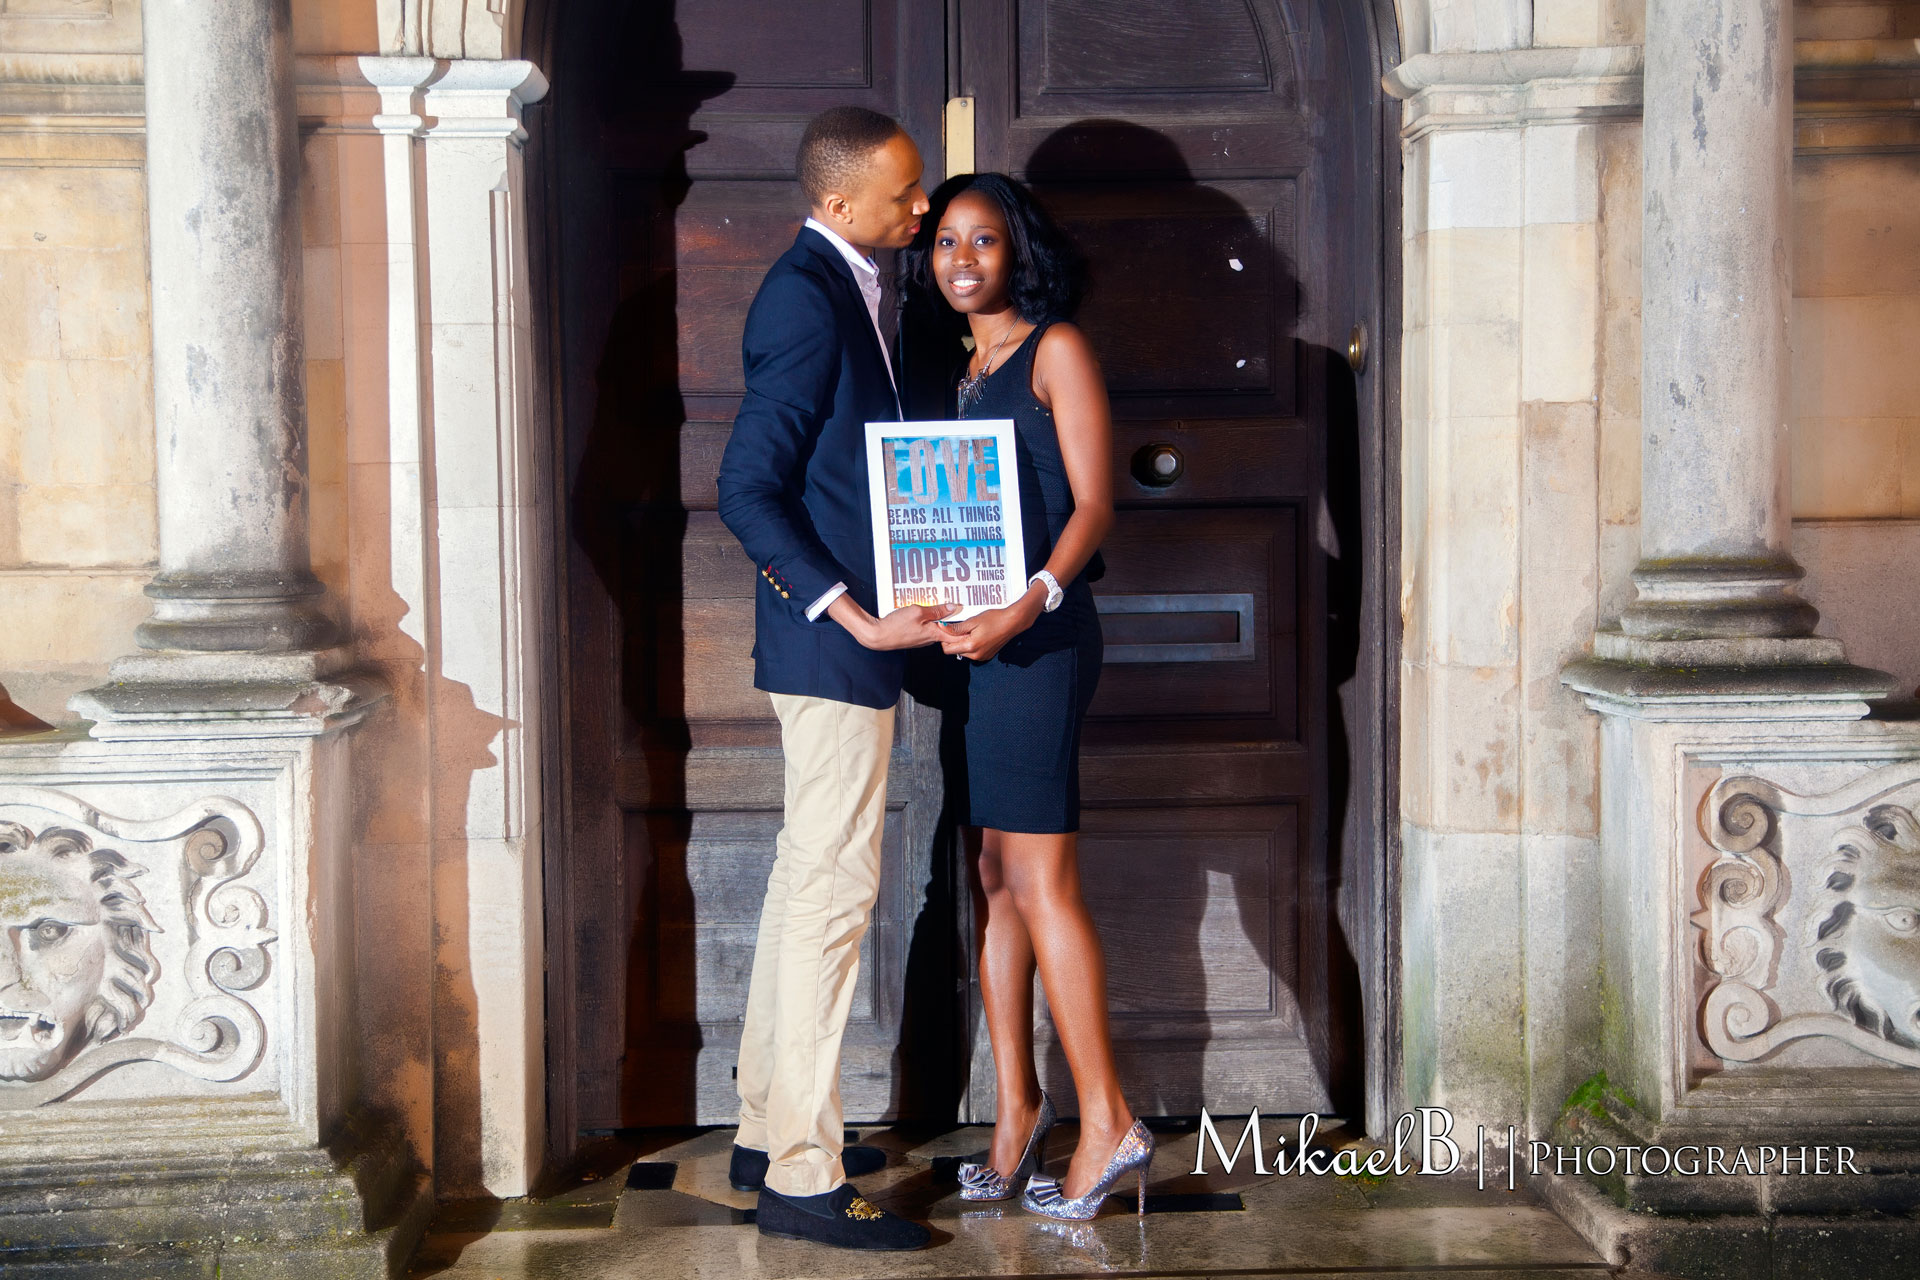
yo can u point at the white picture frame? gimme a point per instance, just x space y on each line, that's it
932 545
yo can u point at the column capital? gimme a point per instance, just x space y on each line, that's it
422 97
480 99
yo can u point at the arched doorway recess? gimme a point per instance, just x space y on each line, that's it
1230 168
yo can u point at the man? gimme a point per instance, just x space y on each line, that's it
793 488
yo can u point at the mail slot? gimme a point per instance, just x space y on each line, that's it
1177 628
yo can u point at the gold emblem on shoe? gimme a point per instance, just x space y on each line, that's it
859 1208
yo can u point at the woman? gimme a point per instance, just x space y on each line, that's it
989 250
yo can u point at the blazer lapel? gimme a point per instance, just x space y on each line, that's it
843 272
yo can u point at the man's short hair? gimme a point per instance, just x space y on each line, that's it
835 149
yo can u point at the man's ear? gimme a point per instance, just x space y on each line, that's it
837 208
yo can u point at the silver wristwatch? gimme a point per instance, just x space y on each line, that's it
1054 594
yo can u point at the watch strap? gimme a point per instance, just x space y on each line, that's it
1054 594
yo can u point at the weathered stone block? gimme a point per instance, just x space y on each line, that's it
1475 179
87 525
88 423
70 207
1856 222
103 300
1560 315
30 322
1854 468
1851 356
1870 1247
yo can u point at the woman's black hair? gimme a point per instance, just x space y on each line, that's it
1049 275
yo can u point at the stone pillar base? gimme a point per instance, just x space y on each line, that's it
1759 846
1735 678
178 1092
1863 1227
261 613
224 1188
1719 598
204 695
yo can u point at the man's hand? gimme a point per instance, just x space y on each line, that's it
985 634
908 627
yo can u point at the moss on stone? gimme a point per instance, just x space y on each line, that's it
1591 1096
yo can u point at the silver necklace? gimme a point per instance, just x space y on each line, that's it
973 386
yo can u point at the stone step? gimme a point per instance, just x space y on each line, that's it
360 1258
255 1203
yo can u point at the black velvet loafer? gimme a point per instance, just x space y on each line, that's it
841 1218
747 1170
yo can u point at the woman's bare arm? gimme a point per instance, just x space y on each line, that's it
1066 378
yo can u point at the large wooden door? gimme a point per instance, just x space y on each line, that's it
1201 155
676 125
1196 149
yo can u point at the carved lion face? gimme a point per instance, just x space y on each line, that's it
76 966
1868 943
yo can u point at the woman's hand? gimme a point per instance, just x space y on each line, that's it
985 634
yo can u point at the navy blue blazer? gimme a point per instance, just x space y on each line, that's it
793 479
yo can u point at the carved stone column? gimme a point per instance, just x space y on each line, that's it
1716 576
239 627
228 352
1717 178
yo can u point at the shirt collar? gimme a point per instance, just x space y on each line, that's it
854 257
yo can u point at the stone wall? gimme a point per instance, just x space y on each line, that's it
1856 387
69 26
1521 487
1520 370
77 520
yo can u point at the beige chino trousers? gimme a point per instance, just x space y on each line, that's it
826 875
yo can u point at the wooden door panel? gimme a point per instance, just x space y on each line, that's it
681 121
1207 148
823 44
726 236
1168 554
710 913
1199 913
1185 148
1221 343
1132 774
1201 939
1093 51
1224 459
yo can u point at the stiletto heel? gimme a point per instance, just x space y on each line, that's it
981 1182
1044 1197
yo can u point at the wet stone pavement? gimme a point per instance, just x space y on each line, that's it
662 1208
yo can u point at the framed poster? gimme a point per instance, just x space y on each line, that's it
946 514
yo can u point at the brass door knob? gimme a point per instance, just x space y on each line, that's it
1357 349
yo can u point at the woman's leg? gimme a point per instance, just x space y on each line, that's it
1006 995
1042 873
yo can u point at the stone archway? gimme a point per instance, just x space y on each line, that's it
1367 870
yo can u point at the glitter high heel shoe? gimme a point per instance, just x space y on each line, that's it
980 1182
1044 1197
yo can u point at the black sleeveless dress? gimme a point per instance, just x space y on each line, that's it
1025 705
